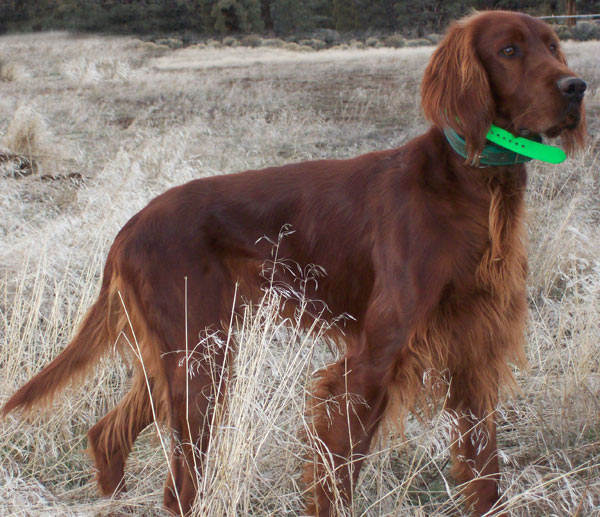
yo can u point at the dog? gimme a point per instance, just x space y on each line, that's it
421 245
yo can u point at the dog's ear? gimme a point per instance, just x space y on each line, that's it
455 91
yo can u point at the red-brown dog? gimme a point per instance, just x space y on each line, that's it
422 247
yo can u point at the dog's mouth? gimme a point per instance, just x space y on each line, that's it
568 122
555 131
567 119
524 132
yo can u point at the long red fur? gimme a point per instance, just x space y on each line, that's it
424 251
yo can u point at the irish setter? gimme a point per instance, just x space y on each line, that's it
422 247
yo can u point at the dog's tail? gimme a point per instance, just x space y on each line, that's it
92 340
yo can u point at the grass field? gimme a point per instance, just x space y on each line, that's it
92 128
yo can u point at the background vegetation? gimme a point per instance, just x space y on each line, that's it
279 17
91 128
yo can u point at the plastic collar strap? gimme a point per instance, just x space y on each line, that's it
491 154
506 149
525 147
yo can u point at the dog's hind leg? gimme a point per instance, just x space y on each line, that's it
111 439
193 404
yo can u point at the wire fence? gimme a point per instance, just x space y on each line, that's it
569 16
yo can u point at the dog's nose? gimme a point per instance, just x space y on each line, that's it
572 88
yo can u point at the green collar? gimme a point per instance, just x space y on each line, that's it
503 148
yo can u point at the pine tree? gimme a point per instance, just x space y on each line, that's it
265 14
237 16
200 15
345 15
379 15
322 13
290 16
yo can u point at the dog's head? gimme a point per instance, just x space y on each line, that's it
507 69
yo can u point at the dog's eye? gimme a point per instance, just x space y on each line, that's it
553 48
509 51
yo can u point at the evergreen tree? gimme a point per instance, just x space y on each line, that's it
255 23
237 16
322 13
290 16
282 16
378 15
266 15
429 15
200 15
345 15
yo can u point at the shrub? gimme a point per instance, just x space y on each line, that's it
29 142
10 72
314 43
298 47
27 133
420 42
563 32
356 43
394 41
251 40
151 49
274 43
433 38
329 36
585 31
372 42
172 43
291 46
229 41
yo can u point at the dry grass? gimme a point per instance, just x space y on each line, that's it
132 121
10 71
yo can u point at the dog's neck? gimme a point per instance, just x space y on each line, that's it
503 148
491 155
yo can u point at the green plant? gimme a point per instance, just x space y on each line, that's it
251 40
394 41
585 31
420 42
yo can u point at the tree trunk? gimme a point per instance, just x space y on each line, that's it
265 13
571 11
